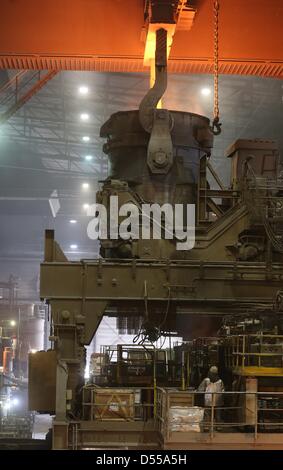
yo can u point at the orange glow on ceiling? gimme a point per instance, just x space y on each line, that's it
105 35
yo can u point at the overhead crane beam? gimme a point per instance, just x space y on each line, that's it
105 35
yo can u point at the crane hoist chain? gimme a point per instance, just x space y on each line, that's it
216 125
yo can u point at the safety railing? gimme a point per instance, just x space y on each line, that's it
229 412
184 415
129 363
119 404
254 350
226 410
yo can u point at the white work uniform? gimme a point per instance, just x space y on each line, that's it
211 397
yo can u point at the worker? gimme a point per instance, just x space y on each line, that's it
212 387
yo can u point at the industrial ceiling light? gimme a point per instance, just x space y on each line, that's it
73 221
84 116
73 247
12 323
205 91
85 185
83 90
86 138
88 158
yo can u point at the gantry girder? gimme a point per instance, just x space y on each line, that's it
105 35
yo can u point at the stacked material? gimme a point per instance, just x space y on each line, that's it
185 419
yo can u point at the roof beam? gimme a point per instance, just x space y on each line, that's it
21 99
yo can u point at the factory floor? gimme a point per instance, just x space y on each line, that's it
220 441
